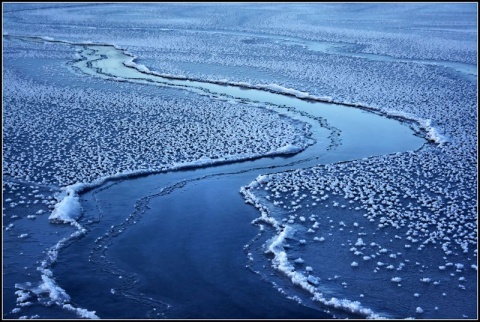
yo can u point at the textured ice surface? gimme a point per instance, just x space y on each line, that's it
401 219
50 141
79 135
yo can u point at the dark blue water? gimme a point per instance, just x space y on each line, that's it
186 252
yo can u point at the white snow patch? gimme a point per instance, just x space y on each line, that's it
289 149
68 209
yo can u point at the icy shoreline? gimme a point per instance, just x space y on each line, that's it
281 263
67 208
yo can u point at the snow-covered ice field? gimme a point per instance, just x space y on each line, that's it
129 129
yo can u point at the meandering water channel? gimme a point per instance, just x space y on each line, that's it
172 244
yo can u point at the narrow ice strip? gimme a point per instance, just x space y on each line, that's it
49 293
251 199
432 133
83 313
204 161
